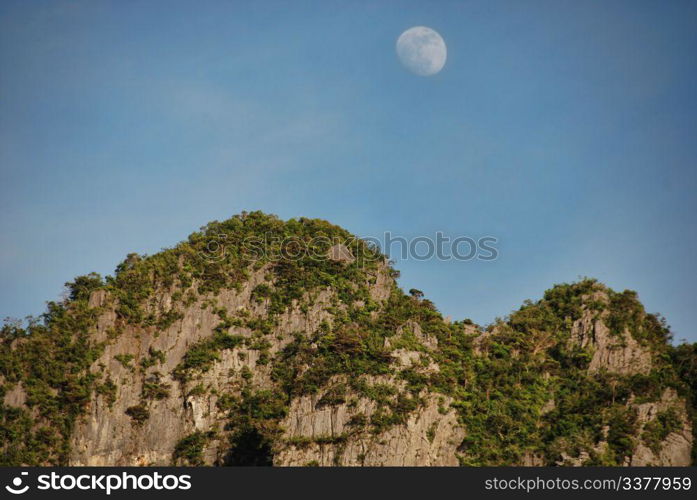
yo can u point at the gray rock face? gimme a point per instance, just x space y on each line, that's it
617 354
107 436
311 432
428 438
675 449
622 354
15 396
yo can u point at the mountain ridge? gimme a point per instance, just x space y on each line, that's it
259 341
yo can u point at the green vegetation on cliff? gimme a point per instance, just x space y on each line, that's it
522 389
48 361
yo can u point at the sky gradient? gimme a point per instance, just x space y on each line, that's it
565 129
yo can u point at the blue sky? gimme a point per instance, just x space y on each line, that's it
565 129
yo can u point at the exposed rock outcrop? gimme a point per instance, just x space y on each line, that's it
189 360
676 446
428 438
611 352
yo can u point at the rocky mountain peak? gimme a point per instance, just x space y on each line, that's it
259 341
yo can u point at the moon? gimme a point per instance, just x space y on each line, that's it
422 50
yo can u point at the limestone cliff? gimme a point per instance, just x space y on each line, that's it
241 354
